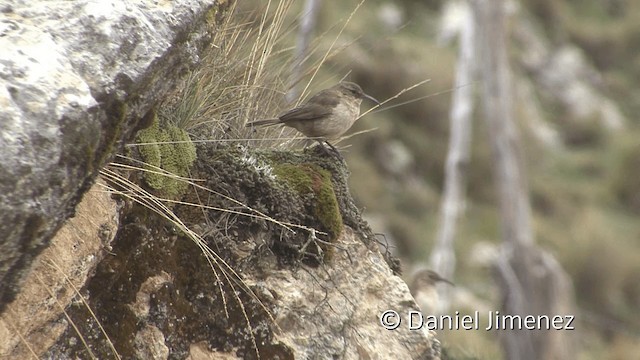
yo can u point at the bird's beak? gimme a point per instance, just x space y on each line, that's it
440 278
371 98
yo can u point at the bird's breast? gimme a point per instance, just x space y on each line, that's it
341 119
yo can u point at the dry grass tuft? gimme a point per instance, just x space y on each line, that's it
242 78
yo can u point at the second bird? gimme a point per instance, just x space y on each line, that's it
326 115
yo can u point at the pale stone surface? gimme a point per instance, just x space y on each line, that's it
75 79
149 344
199 351
334 311
35 320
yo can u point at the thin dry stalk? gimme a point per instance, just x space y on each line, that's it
55 266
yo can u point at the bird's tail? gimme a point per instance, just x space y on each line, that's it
265 122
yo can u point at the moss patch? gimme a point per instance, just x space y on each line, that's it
170 149
311 180
271 193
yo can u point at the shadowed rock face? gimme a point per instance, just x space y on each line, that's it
75 80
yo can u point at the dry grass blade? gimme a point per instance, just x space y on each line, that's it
421 98
193 182
216 263
222 271
155 204
15 330
55 266
73 324
395 96
324 58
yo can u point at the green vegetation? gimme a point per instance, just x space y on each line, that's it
312 180
168 154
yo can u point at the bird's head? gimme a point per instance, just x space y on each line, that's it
430 278
354 90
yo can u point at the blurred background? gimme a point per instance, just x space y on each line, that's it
575 66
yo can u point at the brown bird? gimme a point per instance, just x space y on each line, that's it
423 289
326 115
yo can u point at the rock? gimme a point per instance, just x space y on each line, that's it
257 282
150 344
334 311
35 320
76 77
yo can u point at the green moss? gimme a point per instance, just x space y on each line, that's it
99 152
170 149
312 180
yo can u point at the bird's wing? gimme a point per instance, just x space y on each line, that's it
305 112
316 107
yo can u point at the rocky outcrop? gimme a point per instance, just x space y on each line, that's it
76 78
251 270
262 255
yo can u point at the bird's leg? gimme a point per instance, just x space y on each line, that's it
324 148
332 147
332 150
335 151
